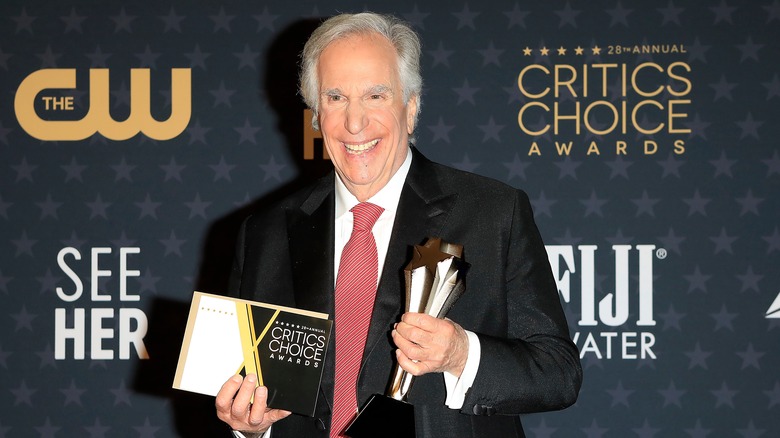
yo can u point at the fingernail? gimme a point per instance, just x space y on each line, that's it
251 378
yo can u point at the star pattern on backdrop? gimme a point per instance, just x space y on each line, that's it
711 210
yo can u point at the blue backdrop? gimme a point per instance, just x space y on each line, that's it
645 134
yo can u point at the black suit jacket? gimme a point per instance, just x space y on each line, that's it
528 362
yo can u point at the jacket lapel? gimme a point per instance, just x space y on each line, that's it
422 212
310 230
310 234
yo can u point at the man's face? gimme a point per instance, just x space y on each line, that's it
364 121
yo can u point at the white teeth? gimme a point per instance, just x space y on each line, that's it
359 148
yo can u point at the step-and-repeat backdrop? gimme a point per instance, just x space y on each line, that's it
135 136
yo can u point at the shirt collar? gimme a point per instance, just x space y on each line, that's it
387 197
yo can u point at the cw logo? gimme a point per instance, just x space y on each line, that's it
98 117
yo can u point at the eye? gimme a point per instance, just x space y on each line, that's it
335 98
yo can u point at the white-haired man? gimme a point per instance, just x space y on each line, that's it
504 350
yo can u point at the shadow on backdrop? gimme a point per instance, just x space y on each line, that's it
279 84
194 414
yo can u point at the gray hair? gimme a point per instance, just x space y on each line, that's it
400 35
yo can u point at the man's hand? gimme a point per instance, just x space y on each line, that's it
430 345
234 406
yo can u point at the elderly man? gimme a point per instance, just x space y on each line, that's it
504 349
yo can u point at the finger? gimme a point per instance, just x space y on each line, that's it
407 364
259 406
275 415
414 334
225 395
410 348
446 349
260 416
244 397
419 320
413 367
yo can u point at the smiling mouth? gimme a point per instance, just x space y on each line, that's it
361 148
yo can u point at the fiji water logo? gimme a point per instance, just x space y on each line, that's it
617 324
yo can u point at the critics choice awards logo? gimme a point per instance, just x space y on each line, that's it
605 100
297 344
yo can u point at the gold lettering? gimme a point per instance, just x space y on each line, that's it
615 117
636 122
605 77
525 92
675 115
98 117
576 117
634 84
564 148
523 125
309 135
684 80
567 83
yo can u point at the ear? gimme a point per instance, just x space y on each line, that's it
411 114
315 120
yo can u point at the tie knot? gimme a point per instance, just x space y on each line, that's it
366 215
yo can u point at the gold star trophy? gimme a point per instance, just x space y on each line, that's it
435 279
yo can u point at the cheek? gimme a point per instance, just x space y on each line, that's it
330 120
393 122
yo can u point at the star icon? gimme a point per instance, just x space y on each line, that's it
465 17
441 131
272 169
222 20
222 169
73 21
568 16
24 21
265 21
98 208
516 17
123 21
247 133
172 21
441 55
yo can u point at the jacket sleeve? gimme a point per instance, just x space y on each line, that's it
535 366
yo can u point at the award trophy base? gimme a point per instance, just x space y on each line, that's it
383 417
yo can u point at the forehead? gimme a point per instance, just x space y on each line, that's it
358 60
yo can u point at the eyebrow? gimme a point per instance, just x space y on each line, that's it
379 89
375 89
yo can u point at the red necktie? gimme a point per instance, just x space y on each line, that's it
355 292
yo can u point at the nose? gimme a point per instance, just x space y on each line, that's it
355 118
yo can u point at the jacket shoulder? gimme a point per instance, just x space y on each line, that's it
472 185
306 199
